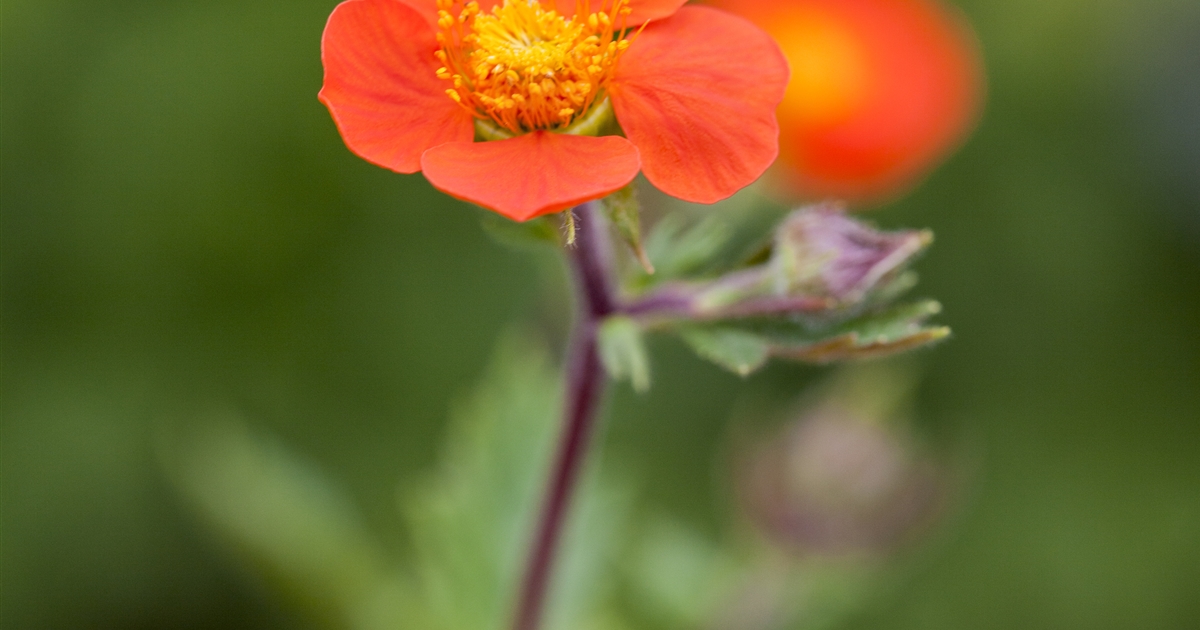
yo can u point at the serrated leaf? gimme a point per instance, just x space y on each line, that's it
893 330
700 241
682 247
739 351
472 518
745 345
623 352
856 346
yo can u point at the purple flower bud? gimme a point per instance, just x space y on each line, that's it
819 251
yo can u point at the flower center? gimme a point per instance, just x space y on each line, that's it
526 67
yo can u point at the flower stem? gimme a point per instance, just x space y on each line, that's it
591 274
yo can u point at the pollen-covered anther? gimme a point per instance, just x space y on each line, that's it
525 66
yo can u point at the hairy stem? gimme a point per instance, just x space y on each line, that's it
591 275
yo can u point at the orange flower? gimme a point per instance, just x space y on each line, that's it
881 90
412 84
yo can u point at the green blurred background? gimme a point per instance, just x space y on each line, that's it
184 234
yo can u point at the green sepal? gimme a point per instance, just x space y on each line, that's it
623 352
623 210
598 121
487 130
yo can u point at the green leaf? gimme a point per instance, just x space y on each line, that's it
736 350
877 334
683 247
679 577
623 352
288 522
743 346
471 519
697 241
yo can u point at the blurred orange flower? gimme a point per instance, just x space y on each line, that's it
881 90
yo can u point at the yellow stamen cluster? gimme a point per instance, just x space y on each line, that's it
524 66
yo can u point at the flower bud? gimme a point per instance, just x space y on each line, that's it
822 262
835 482
822 252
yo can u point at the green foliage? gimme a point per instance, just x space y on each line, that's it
470 519
736 350
681 248
284 519
623 211
743 346
815 286
678 577
701 241
881 333
623 352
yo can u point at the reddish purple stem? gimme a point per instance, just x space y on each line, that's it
591 268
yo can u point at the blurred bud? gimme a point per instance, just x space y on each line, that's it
881 90
836 482
822 252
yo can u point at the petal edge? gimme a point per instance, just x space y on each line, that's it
679 86
533 174
380 84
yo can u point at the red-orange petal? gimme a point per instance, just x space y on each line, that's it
696 93
533 174
381 87
428 10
